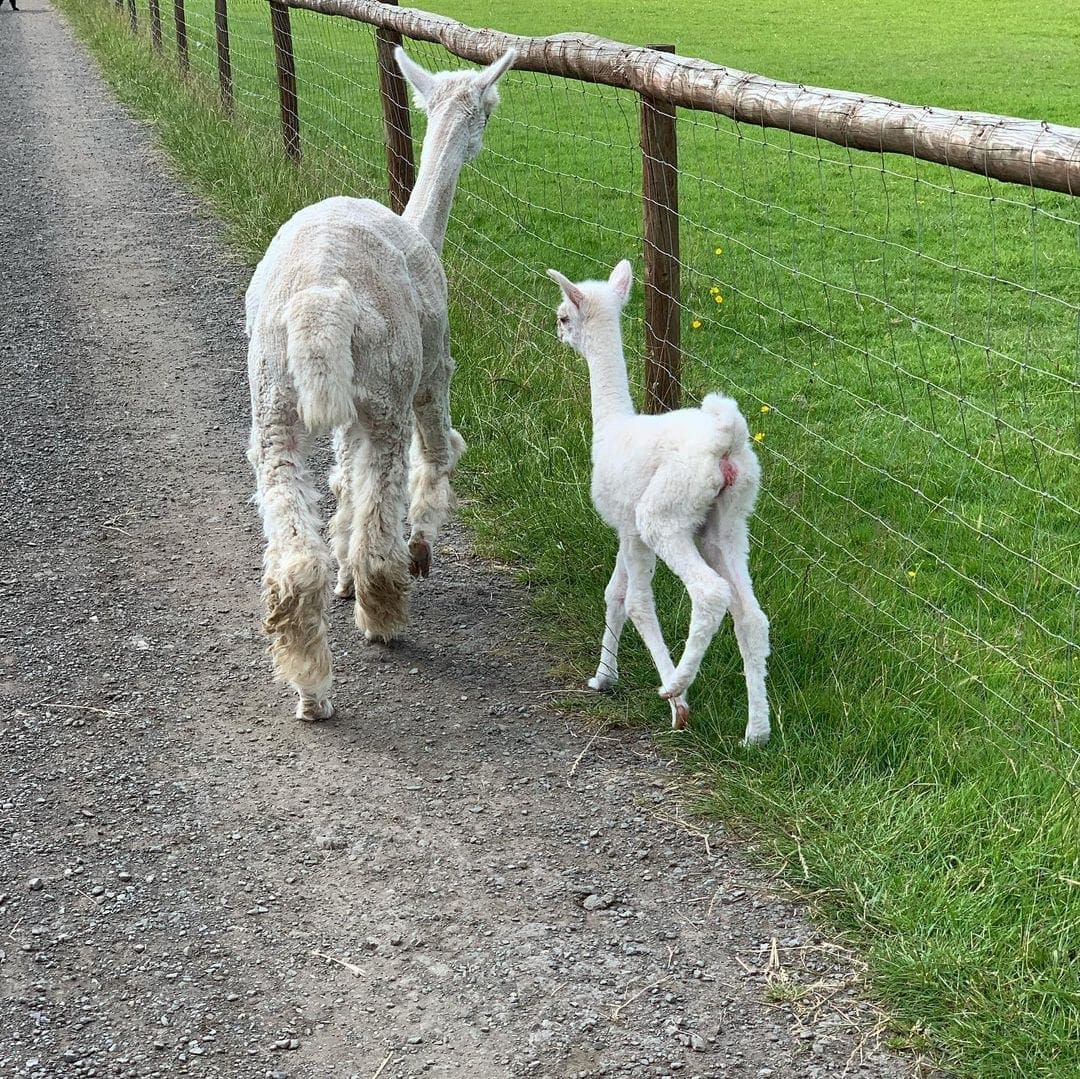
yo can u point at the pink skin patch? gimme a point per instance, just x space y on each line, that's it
728 470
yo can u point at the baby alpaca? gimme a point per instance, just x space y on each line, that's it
681 486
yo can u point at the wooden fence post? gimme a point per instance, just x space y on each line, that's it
155 24
286 76
133 16
401 170
660 193
181 36
221 25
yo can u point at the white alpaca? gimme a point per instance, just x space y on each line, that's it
681 486
348 329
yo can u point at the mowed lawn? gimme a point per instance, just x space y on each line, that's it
905 340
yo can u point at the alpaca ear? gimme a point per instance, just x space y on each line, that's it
621 280
570 290
493 72
422 81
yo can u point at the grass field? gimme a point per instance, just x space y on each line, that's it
906 341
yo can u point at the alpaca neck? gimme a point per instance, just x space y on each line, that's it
608 383
441 159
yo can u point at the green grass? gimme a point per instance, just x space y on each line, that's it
914 335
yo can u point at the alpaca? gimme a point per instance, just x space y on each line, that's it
348 332
680 485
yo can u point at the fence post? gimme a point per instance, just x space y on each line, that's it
133 16
181 36
660 195
221 25
286 75
400 168
155 24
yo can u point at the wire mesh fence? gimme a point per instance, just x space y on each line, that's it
904 337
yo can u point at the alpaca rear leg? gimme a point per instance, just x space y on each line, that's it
436 448
710 598
378 557
640 565
728 553
296 564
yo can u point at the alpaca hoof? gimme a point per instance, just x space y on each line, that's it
600 682
344 589
680 715
672 690
755 738
311 710
420 554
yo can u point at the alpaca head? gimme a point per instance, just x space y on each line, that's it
590 300
465 98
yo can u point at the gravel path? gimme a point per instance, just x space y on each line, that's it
191 882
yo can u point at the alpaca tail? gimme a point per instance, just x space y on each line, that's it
320 321
731 429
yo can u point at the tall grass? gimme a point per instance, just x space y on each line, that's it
906 342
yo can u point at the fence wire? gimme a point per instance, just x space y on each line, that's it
903 337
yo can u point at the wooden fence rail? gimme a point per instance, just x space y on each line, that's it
1027 152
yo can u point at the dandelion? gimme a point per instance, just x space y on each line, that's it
765 410
718 298
696 324
759 436
718 251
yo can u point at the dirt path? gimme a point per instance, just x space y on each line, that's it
194 883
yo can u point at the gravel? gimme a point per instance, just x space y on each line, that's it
193 883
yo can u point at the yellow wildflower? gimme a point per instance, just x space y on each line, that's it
719 251
765 409
718 298
714 291
911 574
759 436
696 324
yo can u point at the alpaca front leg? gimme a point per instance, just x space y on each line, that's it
607 673
347 442
640 565
436 448
710 598
377 556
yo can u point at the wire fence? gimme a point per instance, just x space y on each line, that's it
904 337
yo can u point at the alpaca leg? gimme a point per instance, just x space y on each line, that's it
727 551
436 447
378 558
640 565
341 523
607 673
296 563
710 598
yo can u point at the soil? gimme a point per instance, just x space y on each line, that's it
449 878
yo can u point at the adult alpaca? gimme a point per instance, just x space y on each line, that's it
348 331
682 486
